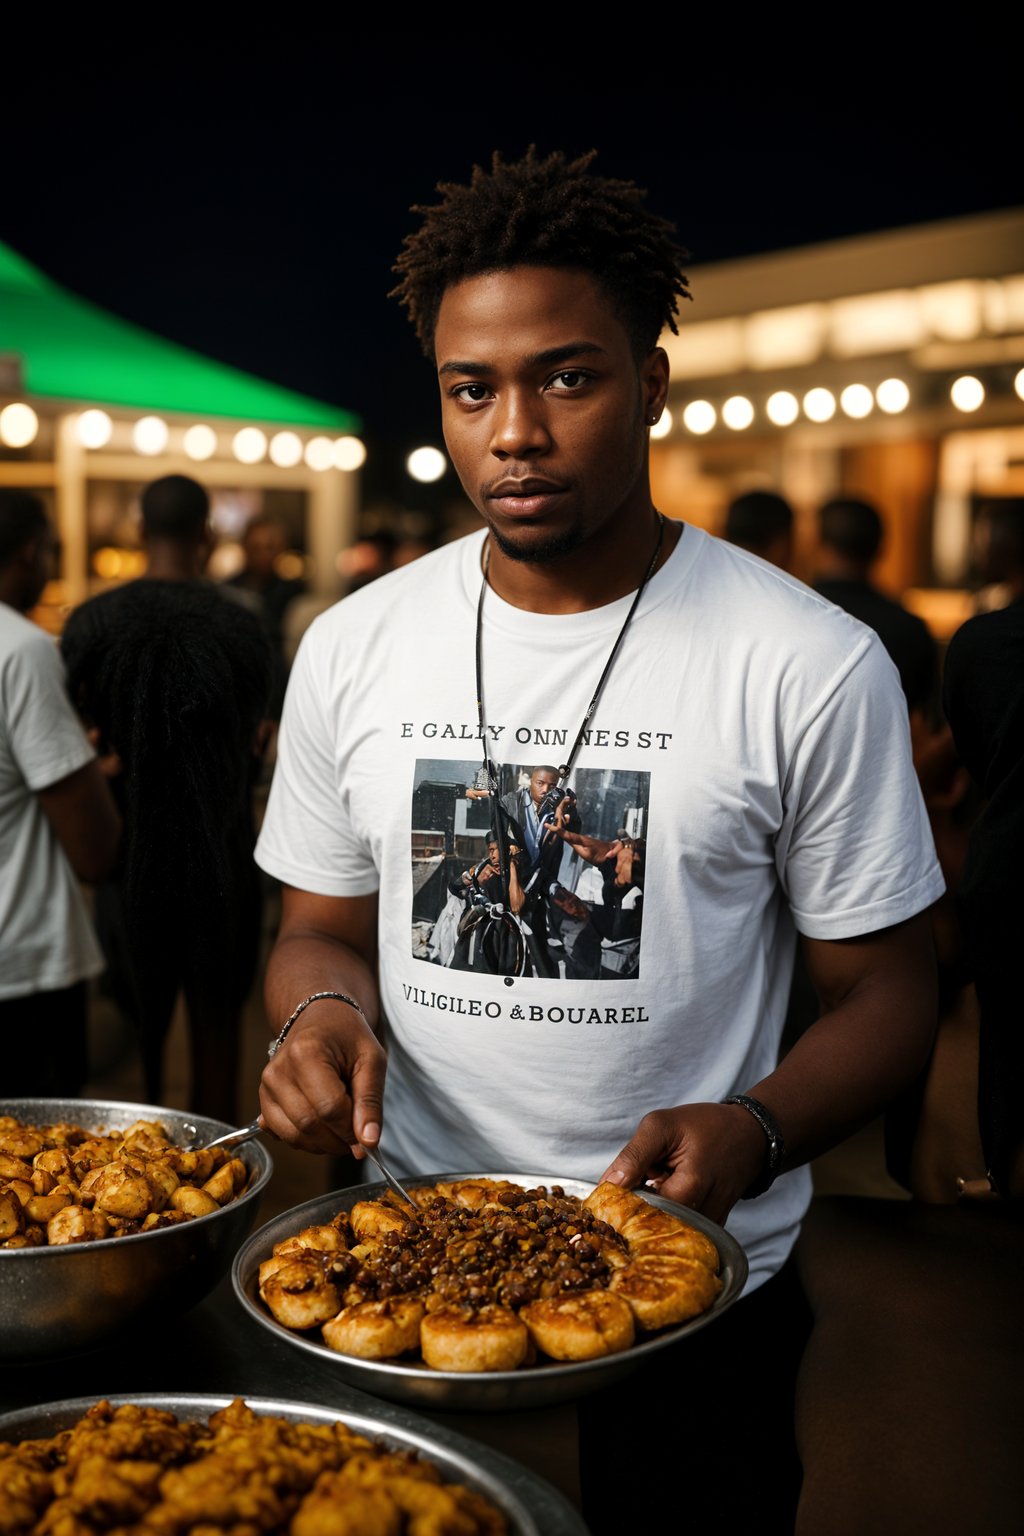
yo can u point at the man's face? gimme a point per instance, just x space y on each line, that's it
263 545
540 782
494 855
544 408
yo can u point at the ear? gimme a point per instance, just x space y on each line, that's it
654 374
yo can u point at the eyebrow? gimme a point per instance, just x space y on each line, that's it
550 356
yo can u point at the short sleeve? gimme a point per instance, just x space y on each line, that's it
45 736
855 853
307 839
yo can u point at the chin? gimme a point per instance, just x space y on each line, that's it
539 545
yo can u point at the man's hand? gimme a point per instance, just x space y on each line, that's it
595 850
323 1090
701 1155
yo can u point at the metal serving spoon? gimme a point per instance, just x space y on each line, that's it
233 1139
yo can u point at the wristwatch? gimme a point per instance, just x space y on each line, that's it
776 1148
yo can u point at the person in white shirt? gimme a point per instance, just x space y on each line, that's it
58 826
751 734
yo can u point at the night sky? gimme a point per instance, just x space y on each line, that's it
247 199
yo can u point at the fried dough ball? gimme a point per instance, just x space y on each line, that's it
348 1511
41 1208
473 1194
228 1181
580 1325
682 1243
193 1202
300 1294
195 1166
58 1163
613 1204
121 1192
14 1167
76 1224
21 1141
460 1339
376 1330
12 1214
324 1239
371 1219
664 1289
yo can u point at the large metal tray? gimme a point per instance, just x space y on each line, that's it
414 1383
531 1506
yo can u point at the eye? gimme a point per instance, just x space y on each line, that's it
570 380
470 394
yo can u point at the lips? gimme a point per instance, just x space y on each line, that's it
530 497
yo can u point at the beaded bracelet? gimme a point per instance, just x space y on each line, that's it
776 1149
314 997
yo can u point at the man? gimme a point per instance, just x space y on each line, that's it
781 795
538 818
486 938
762 522
261 587
175 679
58 825
850 533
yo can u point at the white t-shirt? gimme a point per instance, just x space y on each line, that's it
753 736
46 937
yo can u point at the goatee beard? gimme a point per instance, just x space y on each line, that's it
551 548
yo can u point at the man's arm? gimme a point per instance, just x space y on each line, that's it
81 810
323 1089
880 996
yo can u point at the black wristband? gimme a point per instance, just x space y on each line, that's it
776 1149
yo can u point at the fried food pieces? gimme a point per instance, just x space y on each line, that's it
142 1469
491 1275
65 1184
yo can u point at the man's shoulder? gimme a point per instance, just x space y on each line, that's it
397 597
20 637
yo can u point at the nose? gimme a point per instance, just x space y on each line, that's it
519 426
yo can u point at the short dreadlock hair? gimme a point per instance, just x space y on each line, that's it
549 212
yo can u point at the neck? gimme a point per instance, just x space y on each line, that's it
609 564
833 566
173 562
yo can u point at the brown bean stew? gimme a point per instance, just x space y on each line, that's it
490 1273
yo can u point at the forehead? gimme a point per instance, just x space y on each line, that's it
525 310
541 774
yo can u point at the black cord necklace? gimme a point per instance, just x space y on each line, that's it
503 912
565 769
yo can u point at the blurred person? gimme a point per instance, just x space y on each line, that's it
762 522
850 536
983 694
999 551
769 727
368 558
174 678
58 825
266 591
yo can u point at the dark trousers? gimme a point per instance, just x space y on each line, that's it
702 1437
44 1044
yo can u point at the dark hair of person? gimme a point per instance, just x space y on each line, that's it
756 518
174 507
1006 519
545 212
22 517
852 527
177 679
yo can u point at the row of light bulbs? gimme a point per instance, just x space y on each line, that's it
19 426
783 408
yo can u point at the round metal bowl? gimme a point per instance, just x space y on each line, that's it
412 1382
63 1300
530 1506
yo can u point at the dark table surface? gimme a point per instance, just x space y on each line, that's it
217 1348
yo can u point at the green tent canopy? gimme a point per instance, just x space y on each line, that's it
70 349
